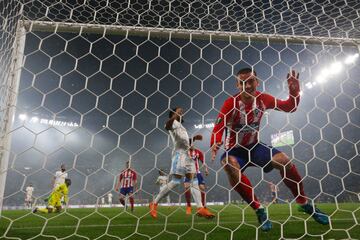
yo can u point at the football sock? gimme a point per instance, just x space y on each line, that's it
166 190
292 180
246 191
188 197
196 194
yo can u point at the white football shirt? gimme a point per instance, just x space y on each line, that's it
60 178
179 136
110 197
29 190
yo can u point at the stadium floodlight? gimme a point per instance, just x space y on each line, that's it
351 59
321 79
34 119
309 85
336 67
22 117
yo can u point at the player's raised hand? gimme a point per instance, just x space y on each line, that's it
206 171
214 149
293 82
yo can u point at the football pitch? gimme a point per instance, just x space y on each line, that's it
231 222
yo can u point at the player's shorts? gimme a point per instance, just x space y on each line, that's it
273 194
162 187
126 190
260 155
199 179
28 198
181 163
54 201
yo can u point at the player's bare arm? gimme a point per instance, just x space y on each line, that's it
206 170
175 116
214 149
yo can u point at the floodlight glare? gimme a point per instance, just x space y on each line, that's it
309 85
22 117
351 59
34 119
336 67
325 72
321 79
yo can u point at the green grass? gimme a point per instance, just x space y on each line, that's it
232 222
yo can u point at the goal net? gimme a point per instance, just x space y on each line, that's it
89 84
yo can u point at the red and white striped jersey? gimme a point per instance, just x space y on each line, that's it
241 121
127 178
197 156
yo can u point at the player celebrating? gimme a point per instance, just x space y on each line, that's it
198 185
28 196
162 180
241 116
126 183
54 202
182 165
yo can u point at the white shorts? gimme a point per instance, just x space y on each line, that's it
181 163
28 198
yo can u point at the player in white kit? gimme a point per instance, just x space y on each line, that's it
181 165
28 196
162 180
110 196
60 177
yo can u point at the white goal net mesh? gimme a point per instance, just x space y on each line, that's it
89 84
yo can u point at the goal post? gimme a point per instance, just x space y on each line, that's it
10 86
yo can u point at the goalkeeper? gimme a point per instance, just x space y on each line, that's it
54 203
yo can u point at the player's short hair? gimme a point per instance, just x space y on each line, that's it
68 181
245 70
172 112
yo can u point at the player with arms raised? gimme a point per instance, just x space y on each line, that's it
126 183
240 116
54 202
182 165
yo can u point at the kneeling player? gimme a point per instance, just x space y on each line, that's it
54 202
